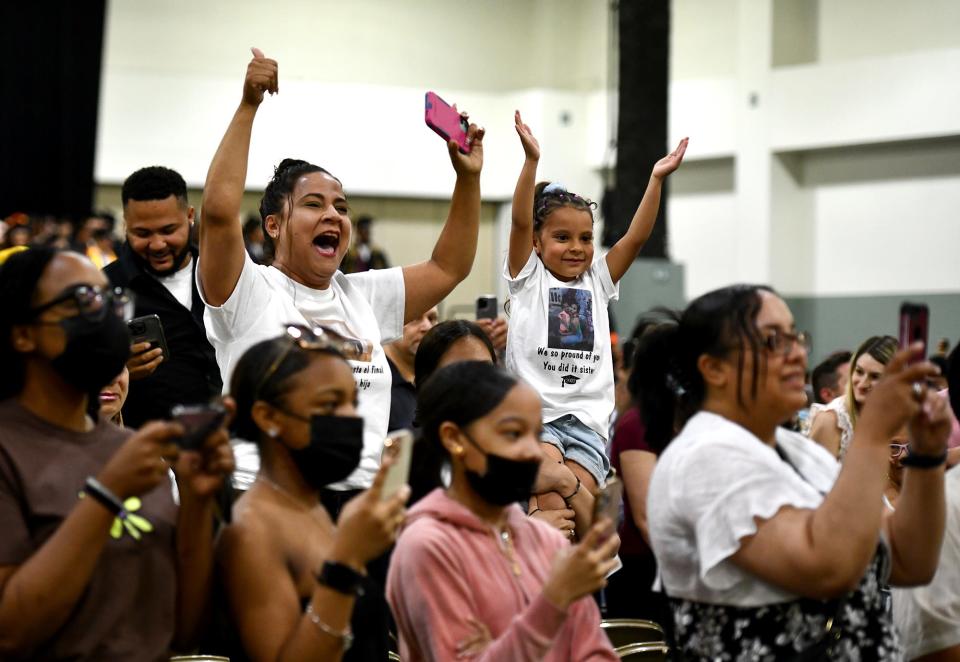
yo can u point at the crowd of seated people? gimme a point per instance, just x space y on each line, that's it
193 454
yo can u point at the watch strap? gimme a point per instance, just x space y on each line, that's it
341 578
917 461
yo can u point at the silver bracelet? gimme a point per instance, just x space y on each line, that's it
345 637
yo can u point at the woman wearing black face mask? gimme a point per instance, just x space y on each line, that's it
472 575
296 583
97 560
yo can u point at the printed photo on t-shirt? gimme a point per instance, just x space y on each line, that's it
570 319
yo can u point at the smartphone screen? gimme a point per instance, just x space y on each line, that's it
914 321
399 446
607 503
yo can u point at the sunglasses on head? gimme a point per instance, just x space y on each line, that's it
318 338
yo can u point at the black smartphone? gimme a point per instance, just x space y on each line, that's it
914 322
487 307
149 329
198 422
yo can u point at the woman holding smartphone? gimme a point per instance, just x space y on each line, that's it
306 216
767 548
104 554
296 583
472 575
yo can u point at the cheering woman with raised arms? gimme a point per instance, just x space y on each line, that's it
304 212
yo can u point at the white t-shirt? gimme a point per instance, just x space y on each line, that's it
367 305
928 617
707 488
180 284
558 340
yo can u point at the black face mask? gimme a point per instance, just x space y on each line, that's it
506 481
95 354
336 443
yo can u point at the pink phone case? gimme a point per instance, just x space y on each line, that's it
446 121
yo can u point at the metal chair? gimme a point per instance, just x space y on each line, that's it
625 631
643 651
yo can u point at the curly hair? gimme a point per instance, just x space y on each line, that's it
548 197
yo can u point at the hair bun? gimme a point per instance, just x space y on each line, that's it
286 164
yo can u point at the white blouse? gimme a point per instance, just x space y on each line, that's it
707 488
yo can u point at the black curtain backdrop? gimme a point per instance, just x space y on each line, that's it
642 126
49 91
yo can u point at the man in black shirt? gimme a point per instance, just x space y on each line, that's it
158 263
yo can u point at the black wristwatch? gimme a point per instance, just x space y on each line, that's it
341 578
923 461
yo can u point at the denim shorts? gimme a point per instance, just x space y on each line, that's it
579 443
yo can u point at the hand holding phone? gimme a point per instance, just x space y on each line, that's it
446 121
148 329
198 422
399 447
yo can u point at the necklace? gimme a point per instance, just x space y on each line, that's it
286 494
506 546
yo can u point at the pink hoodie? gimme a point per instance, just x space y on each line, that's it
449 567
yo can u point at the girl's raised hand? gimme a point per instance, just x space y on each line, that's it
531 148
262 76
671 161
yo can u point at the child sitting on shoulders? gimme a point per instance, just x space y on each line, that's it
559 334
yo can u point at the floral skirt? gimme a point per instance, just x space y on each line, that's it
862 629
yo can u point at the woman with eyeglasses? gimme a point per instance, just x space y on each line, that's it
296 583
306 216
768 549
472 576
102 556
833 424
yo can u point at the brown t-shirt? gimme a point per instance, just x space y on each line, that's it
127 610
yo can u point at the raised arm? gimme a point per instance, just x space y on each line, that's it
427 283
823 553
625 251
521 228
222 252
915 529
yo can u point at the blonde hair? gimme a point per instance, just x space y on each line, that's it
881 348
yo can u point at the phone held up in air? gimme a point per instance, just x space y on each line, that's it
446 121
914 322
148 329
487 307
198 422
608 501
399 446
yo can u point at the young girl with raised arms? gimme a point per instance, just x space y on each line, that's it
559 334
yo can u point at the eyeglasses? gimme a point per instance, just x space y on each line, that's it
92 302
317 338
779 342
898 450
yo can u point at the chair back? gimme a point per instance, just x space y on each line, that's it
625 631
645 651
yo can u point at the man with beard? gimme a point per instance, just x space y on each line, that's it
157 263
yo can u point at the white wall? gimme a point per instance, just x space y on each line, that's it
868 123
877 73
